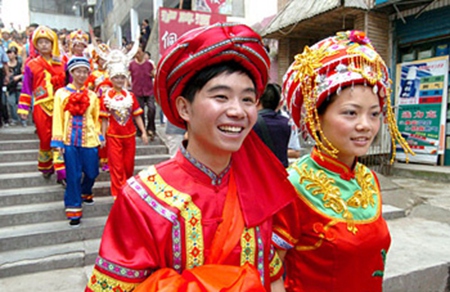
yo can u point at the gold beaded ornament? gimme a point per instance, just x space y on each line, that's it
346 59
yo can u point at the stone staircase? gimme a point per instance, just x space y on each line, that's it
34 234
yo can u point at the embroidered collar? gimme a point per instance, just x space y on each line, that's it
333 164
70 87
120 101
215 179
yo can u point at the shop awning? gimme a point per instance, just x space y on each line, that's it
314 19
397 6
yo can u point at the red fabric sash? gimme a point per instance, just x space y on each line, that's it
261 180
58 78
229 232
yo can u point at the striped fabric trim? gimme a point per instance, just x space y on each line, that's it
281 242
166 213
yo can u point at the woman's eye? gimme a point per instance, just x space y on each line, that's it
376 114
350 113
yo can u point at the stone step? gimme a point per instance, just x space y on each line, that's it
42 194
35 179
50 233
27 135
54 257
422 172
391 212
419 257
33 144
6 145
47 212
31 165
32 154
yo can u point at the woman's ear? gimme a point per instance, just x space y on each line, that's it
183 108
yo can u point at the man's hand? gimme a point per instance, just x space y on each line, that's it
23 116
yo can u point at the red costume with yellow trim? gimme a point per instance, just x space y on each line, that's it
336 237
178 226
41 80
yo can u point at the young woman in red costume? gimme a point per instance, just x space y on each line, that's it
202 221
333 237
118 109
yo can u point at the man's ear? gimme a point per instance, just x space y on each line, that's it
183 108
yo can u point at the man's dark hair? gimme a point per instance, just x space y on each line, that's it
202 77
271 96
35 25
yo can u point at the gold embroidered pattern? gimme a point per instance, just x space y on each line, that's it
322 184
248 246
364 197
101 282
275 265
188 210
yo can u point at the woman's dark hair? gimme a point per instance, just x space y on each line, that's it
202 77
328 100
12 50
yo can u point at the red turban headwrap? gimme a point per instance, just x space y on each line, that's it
203 47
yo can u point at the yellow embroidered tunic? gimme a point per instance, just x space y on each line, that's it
83 131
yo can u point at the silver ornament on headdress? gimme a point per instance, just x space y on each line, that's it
116 60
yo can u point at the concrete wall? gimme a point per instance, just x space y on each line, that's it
60 21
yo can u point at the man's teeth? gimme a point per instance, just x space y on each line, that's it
230 129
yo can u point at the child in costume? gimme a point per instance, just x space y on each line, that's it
333 236
99 82
78 42
43 75
76 132
118 108
195 220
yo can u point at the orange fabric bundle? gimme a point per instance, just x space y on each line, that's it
206 278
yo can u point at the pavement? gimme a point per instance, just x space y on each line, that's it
418 260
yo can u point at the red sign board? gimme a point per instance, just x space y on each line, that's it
173 23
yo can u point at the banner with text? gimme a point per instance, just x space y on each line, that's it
421 98
173 23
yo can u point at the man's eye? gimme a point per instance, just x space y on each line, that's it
249 99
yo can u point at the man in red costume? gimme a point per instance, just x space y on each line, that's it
202 221
43 75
